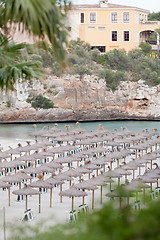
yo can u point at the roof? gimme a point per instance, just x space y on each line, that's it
110 6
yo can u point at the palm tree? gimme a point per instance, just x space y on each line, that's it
12 66
40 18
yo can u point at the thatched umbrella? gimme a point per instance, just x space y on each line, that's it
42 184
62 177
99 181
54 165
120 193
6 185
100 161
38 133
68 159
73 173
92 167
136 186
27 190
11 164
4 155
73 192
16 178
87 185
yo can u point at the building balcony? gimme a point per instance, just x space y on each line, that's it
151 42
143 22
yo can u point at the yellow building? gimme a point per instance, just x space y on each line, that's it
108 26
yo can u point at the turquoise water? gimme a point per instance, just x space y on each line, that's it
21 131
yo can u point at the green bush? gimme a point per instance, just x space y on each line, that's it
106 223
118 59
146 47
112 78
40 102
8 104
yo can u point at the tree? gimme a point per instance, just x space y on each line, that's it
154 16
146 47
41 18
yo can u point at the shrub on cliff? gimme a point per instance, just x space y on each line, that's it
40 102
112 78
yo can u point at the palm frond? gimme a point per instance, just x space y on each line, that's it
42 18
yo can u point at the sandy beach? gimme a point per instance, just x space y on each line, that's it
59 213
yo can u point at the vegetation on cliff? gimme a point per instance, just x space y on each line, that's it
107 223
114 66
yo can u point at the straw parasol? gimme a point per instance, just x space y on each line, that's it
72 192
11 164
42 184
62 177
6 185
27 190
87 185
99 181
120 193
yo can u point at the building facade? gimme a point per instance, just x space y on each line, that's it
110 26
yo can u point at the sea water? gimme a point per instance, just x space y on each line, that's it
21 131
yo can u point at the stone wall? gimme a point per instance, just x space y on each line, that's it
85 100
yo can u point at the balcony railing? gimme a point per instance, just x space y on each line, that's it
152 42
150 22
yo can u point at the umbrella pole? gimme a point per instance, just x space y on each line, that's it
61 191
157 182
151 187
111 165
5 171
35 163
139 171
110 186
70 183
101 194
97 172
120 202
133 173
9 196
136 153
19 185
50 197
26 202
104 168
118 181
77 163
117 162
39 203
144 196
151 164
136 196
72 203
93 199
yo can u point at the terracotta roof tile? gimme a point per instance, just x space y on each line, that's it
110 5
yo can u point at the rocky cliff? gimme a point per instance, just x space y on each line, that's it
81 100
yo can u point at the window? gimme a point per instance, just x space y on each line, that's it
114 35
126 17
114 17
101 28
91 28
92 17
82 17
126 36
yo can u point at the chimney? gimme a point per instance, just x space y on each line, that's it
103 3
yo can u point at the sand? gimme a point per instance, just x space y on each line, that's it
59 213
